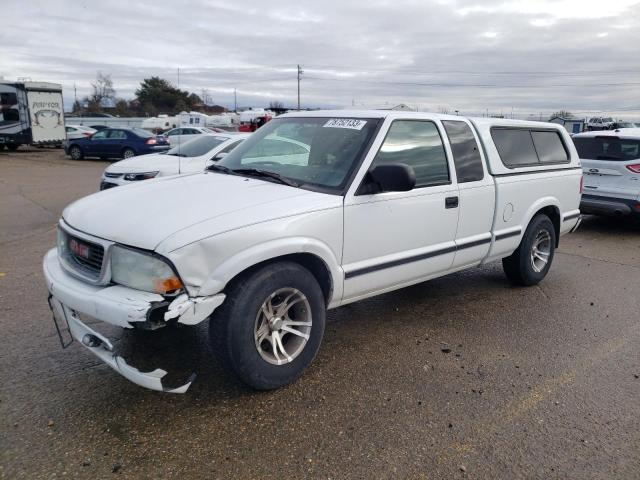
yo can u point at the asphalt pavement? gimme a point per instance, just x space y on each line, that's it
461 377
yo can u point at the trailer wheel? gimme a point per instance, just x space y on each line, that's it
12 146
75 153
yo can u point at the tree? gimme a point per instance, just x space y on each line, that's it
159 95
561 113
102 89
276 105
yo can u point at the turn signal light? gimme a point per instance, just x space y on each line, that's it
634 168
167 285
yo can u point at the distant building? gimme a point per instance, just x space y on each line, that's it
401 107
572 125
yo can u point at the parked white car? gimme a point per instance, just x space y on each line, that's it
180 135
78 131
611 166
189 157
600 123
262 244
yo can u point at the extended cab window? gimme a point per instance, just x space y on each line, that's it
521 147
418 144
466 153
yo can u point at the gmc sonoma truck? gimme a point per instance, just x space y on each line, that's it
315 210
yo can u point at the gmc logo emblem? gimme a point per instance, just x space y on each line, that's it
79 249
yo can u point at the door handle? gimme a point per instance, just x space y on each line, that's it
451 202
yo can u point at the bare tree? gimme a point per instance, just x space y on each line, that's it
561 113
102 89
276 105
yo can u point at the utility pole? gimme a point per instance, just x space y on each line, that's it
300 72
235 100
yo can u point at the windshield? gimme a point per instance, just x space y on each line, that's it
198 146
320 152
142 133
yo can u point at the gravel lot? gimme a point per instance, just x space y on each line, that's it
539 382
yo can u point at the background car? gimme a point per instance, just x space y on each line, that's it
116 143
191 156
599 123
98 127
184 134
78 131
617 125
611 166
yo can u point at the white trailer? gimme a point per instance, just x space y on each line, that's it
31 113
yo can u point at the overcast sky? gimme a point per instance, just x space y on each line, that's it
468 55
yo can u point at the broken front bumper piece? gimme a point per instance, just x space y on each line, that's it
121 306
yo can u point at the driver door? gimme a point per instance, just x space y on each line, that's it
393 239
96 144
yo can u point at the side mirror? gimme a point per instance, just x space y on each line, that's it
219 156
390 177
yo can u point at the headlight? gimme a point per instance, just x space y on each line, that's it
134 177
142 271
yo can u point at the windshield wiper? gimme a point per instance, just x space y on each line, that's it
214 167
264 173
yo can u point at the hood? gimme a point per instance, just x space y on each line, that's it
167 164
144 214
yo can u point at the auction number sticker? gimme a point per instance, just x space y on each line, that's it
352 123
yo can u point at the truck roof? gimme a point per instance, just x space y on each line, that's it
417 115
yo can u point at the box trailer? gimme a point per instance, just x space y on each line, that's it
31 113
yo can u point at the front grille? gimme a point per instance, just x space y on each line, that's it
113 175
85 258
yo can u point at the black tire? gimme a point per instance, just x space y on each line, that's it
12 147
75 152
128 153
520 268
232 325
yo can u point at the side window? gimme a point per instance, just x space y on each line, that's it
418 144
117 135
515 146
230 147
466 153
100 135
173 132
70 129
549 147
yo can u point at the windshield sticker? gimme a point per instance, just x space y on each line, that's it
351 123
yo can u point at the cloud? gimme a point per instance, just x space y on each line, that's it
458 54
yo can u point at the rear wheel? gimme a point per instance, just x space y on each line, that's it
12 146
270 326
128 153
529 264
75 152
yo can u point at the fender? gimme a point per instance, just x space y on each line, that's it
238 263
539 205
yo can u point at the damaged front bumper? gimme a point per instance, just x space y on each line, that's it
121 306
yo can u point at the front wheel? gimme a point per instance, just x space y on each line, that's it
529 264
12 147
269 329
75 153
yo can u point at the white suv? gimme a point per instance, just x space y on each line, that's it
611 166
315 210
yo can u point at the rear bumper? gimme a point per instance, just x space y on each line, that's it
614 207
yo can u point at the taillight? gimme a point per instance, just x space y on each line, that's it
151 141
87 134
634 168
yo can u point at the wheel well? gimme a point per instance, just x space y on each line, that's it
311 262
554 214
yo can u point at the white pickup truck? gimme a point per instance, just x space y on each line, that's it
313 211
